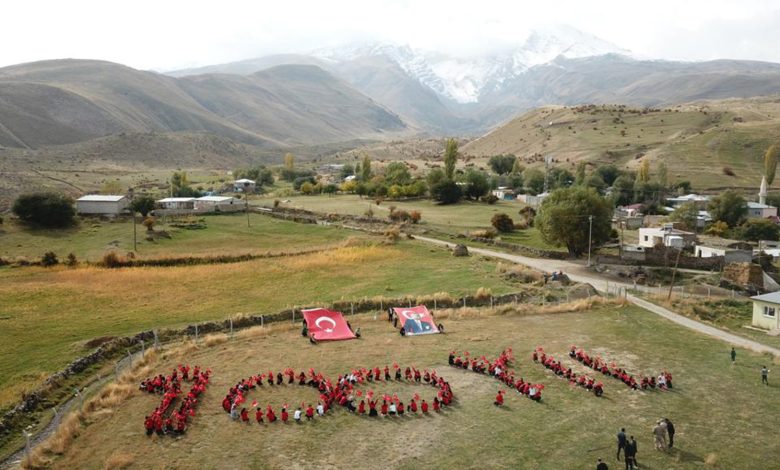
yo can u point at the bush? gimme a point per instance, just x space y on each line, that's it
491 198
49 259
276 203
446 192
502 222
45 209
759 229
415 216
718 228
728 171
483 233
112 260
399 215
392 234
71 260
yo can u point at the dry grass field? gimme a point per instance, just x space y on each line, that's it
721 410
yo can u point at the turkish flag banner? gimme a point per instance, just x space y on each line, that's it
326 325
416 320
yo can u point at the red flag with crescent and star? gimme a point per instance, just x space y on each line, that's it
416 320
327 325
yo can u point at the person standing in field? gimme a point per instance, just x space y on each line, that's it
621 442
659 431
764 375
631 451
670 431
601 465
733 355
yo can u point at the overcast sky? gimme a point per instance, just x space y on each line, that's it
170 34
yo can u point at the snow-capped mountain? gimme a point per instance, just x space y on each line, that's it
465 79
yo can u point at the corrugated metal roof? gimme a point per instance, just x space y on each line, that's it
177 199
215 198
773 297
101 198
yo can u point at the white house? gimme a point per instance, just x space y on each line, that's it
218 204
100 204
666 236
177 203
766 311
533 201
244 186
730 255
502 192
757 210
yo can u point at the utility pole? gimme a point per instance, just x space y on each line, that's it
674 274
246 205
622 222
590 235
547 161
131 192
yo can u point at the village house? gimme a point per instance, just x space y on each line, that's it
666 236
504 193
177 203
99 204
533 201
699 201
766 311
244 186
730 255
218 204
757 210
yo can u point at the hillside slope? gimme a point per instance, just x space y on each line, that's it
67 101
696 141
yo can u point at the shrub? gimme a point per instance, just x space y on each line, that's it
45 209
71 260
483 233
491 198
718 228
143 205
112 260
149 223
276 203
392 234
49 259
502 222
400 216
446 192
728 171
369 212
415 216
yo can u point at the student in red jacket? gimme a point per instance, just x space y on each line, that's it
309 413
499 398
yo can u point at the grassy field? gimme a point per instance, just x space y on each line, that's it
224 234
48 314
448 219
721 411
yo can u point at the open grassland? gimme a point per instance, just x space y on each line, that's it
721 411
49 314
224 234
450 219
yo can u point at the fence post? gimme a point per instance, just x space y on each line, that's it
464 301
196 332
381 306
491 301
231 326
434 303
262 321
156 340
27 446
708 292
143 347
116 370
130 357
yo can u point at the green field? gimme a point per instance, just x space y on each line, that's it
48 314
450 220
224 234
721 411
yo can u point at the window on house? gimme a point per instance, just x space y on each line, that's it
769 311
646 238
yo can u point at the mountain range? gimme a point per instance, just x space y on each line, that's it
376 91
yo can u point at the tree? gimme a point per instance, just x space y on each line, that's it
502 164
770 163
517 167
580 174
45 209
560 178
330 188
608 173
142 204
686 214
307 187
643 174
179 180
435 176
563 219
289 161
502 222
729 207
534 180
594 181
365 169
623 190
477 184
347 170
299 181
718 229
450 158
446 191
49 259
759 229
397 173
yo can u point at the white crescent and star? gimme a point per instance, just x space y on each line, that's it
327 320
